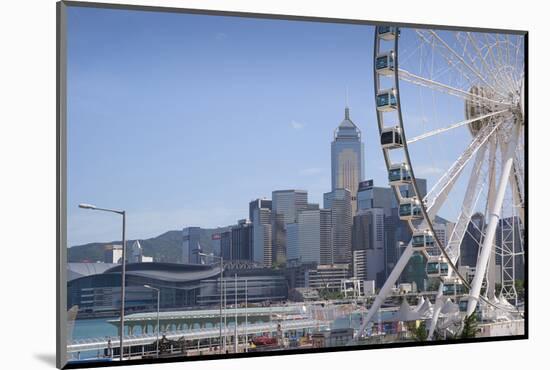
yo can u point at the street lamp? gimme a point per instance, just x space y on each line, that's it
158 312
123 282
236 318
221 291
246 314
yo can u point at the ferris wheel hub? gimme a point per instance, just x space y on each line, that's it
477 105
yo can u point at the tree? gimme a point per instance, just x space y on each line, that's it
277 265
420 333
470 327
326 294
520 288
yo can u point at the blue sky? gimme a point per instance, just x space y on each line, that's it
183 119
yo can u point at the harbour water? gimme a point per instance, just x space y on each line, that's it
94 328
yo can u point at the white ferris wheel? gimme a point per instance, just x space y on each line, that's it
450 108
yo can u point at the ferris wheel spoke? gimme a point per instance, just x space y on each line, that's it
471 197
509 72
453 126
491 71
517 60
465 49
454 64
471 68
447 89
508 61
435 197
501 62
497 62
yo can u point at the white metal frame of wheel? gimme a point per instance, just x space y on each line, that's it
495 110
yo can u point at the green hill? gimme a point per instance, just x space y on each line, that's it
163 248
166 247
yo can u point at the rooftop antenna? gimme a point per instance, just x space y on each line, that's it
347 106
346 96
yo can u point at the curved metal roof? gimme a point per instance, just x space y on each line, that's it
77 270
170 272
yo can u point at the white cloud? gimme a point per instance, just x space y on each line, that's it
297 125
220 36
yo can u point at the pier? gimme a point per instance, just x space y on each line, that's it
177 321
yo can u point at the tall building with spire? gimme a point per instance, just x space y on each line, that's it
347 158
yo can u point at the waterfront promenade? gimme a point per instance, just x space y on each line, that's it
204 335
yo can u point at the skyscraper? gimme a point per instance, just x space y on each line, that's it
327 257
260 216
347 158
368 245
241 241
370 196
225 245
285 207
308 239
340 204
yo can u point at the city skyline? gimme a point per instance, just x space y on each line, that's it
147 174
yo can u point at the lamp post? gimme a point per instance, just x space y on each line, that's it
123 278
246 314
236 319
221 293
158 313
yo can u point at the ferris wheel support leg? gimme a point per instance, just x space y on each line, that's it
494 218
437 310
491 275
388 285
460 230
491 268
